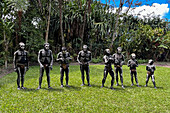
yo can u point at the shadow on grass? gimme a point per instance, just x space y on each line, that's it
152 87
97 86
160 88
73 88
29 89
53 89
108 87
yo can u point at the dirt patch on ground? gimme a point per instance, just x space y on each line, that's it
4 71
162 64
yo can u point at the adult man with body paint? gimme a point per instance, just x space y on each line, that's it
108 60
45 59
84 58
20 62
63 58
118 62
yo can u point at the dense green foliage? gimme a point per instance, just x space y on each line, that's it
83 22
85 99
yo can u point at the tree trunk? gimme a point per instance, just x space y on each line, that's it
83 26
18 29
89 6
61 23
20 21
116 23
6 50
48 23
40 5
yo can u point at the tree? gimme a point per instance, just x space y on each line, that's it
61 22
7 28
48 24
118 13
20 7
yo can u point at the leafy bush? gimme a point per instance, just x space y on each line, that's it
33 57
1 62
141 61
97 60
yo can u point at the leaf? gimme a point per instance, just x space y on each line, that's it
163 46
1 42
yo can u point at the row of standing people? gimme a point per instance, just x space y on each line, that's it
45 59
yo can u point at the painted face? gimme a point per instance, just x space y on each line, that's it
85 48
133 56
119 50
108 51
150 62
64 50
22 46
46 46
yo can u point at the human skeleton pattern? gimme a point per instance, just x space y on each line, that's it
150 73
132 63
118 62
21 64
45 59
84 58
108 60
63 59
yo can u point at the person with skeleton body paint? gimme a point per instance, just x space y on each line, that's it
118 62
63 58
84 58
150 73
108 60
133 63
21 65
45 59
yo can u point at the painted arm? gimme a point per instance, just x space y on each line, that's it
39 56
90 58
123 59
78 58
69 58
59 58
128 64
27 61
51 63
147 68
136 63
154 68
14 62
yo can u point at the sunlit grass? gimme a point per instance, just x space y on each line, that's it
85 99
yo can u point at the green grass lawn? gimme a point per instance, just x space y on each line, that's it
86 99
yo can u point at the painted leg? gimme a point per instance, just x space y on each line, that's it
40 78
131 73
48 77
82 74
116 71
105 76
18 78
61 77
22 77
67 76
87 75
147 79
121 76
153 81
112 81
136 78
